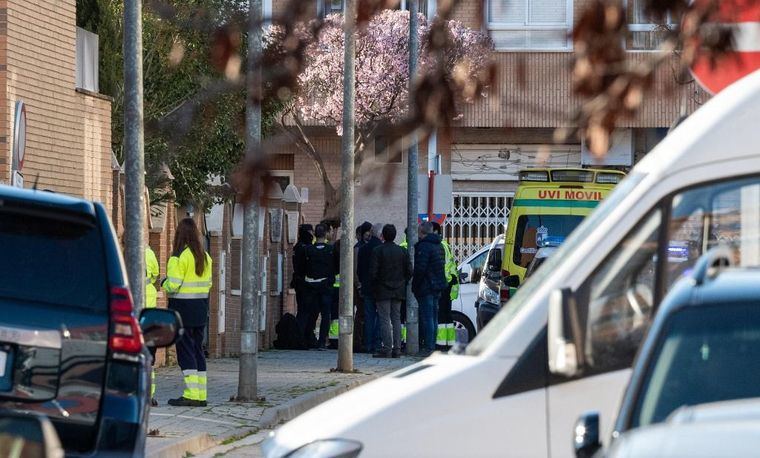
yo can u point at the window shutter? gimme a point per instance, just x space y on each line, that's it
507 11
547 12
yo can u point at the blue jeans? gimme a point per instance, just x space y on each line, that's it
428 309
371 331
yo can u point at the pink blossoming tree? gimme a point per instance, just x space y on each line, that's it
382 81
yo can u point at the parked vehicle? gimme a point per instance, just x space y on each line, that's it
703 347
548 205
71 347
488 302
701 183
729 428
471 272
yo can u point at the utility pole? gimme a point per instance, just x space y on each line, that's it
134 151
412 308
249 320
346 319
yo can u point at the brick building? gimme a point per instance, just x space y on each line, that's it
50 65
510 129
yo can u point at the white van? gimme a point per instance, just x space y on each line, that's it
699 187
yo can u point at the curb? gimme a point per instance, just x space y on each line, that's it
271 417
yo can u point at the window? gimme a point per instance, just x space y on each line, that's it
533 230
725 213
327 7
389 150
706 354
645 32
530 24
477 266
426 7
621 296
87 60
60 251
282 178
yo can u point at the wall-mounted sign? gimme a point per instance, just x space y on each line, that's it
19 143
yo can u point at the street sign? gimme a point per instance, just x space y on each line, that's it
743 18
437 217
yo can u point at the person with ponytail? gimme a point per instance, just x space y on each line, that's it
187 284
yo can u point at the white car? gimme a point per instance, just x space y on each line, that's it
499 398
473 277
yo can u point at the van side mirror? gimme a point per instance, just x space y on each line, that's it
564 334
586 435
160 327
494 260
28 435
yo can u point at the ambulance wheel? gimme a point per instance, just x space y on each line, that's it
461 321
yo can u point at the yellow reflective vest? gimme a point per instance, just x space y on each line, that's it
181 280
151 275
450 270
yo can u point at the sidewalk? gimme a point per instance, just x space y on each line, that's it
290 382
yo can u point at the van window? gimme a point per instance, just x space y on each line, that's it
531 230
706 354
726 213
51 260
621 295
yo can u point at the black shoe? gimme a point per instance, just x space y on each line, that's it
184 402
395 354
382 354
153 402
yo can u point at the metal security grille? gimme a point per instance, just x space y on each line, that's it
476 218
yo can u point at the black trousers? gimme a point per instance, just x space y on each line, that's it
321 296
190 350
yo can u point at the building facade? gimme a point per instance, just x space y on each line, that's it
509 129
49 66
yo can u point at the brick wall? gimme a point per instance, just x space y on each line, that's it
68 133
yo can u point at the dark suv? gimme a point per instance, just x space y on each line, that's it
703 347
70 344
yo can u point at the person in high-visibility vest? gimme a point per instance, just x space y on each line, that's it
188 282
151 299
446 333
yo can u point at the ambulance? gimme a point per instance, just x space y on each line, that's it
548 205
565 343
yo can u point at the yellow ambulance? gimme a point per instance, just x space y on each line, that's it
548 205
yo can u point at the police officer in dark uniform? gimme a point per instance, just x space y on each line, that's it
320 276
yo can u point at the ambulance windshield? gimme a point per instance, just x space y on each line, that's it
527 293
538 231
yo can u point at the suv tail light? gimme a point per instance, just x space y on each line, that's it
126 336
503 289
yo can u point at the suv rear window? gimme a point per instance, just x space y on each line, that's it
705 354
51 258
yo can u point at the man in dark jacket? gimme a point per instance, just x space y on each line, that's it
389 272
371 329
320 276
428 282
303 303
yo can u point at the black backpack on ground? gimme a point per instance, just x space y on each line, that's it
288 335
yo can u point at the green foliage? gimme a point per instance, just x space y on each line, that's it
191 127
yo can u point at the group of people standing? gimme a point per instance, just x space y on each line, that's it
382 271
